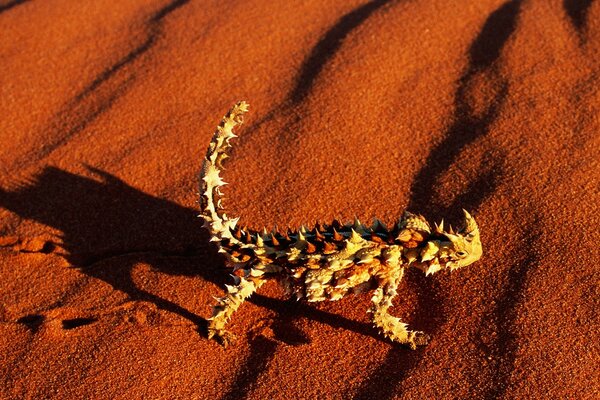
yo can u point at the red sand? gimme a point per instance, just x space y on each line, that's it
358 108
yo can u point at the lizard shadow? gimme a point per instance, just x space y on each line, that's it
108 227
102 218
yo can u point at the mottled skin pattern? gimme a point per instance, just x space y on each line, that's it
328 261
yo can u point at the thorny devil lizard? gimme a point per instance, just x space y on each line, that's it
329 261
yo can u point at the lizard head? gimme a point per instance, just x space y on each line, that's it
464 246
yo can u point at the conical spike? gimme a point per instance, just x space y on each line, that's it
274 240
310 248
318 235
329 247
355 237
259 241
439 228
453 238
470 226
378 226
429 251
360 228
337 236
301 237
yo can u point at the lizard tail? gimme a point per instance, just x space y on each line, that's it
215 220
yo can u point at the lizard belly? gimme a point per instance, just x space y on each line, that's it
329 282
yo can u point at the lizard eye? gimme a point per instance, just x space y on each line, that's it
461 253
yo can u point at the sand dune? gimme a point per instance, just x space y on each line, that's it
358 108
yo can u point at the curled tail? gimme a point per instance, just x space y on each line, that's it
215 219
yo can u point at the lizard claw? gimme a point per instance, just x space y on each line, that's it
223 337
418 338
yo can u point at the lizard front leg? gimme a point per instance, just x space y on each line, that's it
227 305
392 327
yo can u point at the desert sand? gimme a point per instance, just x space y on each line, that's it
358 108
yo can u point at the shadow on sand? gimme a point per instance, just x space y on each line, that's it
103 218
468 126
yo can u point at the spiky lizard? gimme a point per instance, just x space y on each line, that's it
328 261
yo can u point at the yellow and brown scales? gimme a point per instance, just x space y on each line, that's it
328 261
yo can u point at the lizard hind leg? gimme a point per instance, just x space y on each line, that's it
392 327
227 305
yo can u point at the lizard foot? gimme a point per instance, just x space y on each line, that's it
418 338
221 336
